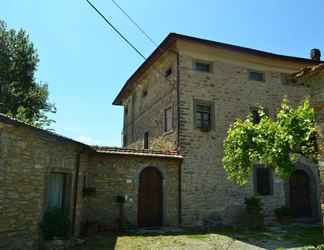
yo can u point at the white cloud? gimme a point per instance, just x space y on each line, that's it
88 140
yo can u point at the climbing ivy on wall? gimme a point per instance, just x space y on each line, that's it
277 143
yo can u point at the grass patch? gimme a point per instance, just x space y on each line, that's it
300 236
305 235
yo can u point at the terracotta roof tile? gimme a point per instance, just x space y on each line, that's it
137 152
309 70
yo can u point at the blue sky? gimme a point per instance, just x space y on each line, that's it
85 63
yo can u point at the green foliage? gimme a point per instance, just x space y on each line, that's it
253 205
255 217
275 143
56 224
283 211
20 95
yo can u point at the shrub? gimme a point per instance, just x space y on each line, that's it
283 212
253 205
255 217
56 224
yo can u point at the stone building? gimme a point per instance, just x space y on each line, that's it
177 108
41 170
185 96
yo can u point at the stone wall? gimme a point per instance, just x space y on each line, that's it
27 157
206 192
145 112
114 175
316 84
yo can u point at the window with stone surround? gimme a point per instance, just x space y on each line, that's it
202 66
203 115
263 180
168 119
58 190
256 76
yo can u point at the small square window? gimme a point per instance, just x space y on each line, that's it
257 76
167 119
168 72
202 67
263 183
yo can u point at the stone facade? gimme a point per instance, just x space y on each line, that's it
205 190
195 190
146 106
27 157
115 175
313 77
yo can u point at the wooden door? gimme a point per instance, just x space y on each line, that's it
300 194
150 198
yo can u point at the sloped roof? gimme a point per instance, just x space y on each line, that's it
138 152
309 70
173 37
108 150
12 121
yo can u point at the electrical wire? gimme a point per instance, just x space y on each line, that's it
133 22
116 30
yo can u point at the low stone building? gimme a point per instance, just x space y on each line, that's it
40 170
177 108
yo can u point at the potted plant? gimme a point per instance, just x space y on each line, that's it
283 214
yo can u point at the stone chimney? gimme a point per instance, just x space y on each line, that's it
315 54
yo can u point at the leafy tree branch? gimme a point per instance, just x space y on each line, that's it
275 143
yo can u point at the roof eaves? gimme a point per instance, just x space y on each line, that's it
163 47
133 152
174 36
12 121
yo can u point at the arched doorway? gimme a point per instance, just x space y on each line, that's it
150 198
300 194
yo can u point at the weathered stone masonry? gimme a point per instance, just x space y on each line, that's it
205 191
195 189
27 158
29 155
113 175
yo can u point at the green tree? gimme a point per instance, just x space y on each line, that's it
20 95
275 143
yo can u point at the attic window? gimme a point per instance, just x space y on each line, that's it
202 66
144 92
168 72
257 76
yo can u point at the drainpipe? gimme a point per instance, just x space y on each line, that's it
76 189
178 138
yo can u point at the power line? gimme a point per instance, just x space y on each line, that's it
126 40
116 30
133 22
